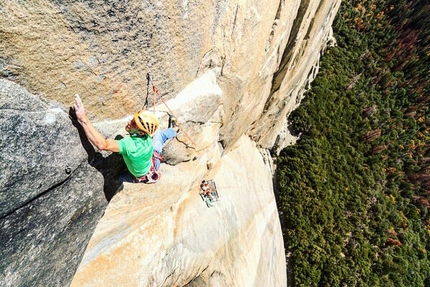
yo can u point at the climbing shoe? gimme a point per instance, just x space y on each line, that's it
173 122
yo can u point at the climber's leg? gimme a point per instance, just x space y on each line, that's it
160 139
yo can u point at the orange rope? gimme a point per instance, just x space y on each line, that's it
154 88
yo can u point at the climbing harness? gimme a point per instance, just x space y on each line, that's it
153 174
209 192
158 155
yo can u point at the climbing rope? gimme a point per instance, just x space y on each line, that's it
157 93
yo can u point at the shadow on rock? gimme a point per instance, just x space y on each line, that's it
110 165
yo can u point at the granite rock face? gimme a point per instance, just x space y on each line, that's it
231 71
165 234
265 53
30 127
50 197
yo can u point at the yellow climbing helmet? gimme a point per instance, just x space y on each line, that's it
146 122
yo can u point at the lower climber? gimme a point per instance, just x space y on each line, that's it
141 150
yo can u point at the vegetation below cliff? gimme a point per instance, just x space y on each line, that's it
355 188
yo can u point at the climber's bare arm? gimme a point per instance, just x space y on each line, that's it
94 136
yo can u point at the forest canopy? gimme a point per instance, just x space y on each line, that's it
354 190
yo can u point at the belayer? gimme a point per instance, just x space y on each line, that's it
141 150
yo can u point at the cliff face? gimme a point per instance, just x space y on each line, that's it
231 71
50 197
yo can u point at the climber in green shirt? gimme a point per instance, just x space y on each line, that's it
140 151
137 153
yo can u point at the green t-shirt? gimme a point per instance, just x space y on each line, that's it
137 153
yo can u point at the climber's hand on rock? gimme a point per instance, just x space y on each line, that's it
78 106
